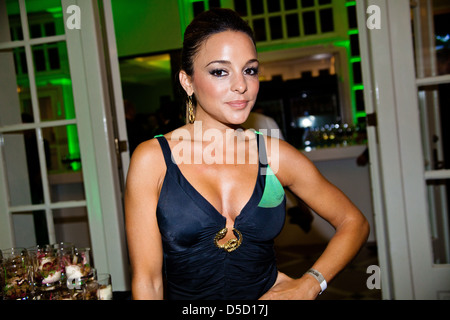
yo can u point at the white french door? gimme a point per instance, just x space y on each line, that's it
406 90
58 160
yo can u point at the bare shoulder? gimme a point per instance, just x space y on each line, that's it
286 161
148 153
147 163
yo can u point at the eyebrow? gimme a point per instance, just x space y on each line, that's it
228 62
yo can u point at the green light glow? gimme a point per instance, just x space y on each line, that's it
346 45
360 114
58 109
354 87
54 10
72 133
65 84
54 82
73 146
342 43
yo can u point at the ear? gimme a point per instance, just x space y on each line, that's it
186 82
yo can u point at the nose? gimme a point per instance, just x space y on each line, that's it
239 84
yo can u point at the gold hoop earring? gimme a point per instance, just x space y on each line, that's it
191 115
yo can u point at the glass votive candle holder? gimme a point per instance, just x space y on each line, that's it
83 259
18 274
63 245
78 266
90 290
64 293
47 268
65 252
105 290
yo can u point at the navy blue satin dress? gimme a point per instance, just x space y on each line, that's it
194 267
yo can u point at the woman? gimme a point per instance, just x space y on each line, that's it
204 224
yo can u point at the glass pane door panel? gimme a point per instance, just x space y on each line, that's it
53 82
15 25
62 160
15 87
442 33
71 225
432 38
438 192
435 115
39 144
20 154
30 228
45 18
63 163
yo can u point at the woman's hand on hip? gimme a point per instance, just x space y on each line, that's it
287 288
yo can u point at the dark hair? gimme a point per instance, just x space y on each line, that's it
205 25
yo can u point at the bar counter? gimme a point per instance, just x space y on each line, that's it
336 153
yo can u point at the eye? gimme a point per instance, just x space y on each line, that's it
252 71
218 72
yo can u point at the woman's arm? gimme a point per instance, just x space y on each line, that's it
144 180
352 229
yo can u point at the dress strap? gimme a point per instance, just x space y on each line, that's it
261 149
166 150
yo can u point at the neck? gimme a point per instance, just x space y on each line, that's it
206 131
216 144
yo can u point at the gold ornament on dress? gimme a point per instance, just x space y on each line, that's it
231 244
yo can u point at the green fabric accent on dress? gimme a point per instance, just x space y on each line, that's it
273 191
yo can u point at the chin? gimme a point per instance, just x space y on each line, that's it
237 122
241 118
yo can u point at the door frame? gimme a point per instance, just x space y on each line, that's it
92 97
397 164
91 84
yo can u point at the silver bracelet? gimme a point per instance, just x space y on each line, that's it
319 277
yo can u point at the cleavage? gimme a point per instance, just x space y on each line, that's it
228 190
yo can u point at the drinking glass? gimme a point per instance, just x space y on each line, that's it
98 288
64 293
79 267
47 270
18 272
90 290
87 287
63 248
65 252
104 291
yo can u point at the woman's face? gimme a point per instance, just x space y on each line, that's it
225 78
